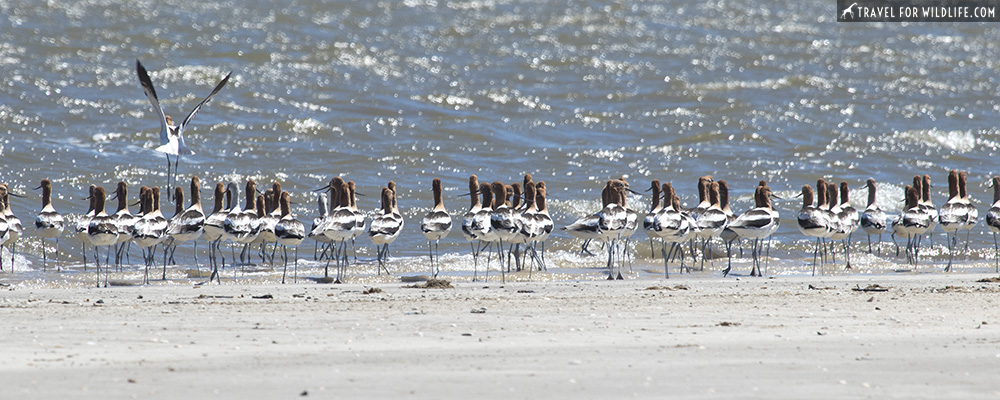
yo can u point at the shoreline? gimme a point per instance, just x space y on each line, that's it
927 335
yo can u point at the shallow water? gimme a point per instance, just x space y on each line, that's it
574 93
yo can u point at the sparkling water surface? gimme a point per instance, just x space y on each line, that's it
573 92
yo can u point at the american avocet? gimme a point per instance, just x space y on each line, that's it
476 222
926 204
520 208
436 225
290 232
873 219
757 224
586 228
973 215
671 227
690 232
151 229
49 223
385 228
703 202
243 225
849 220
83 223
611 223
171 137
340 223
631 222
839 226
542 221
14 226
102 231
913 223
823 204
993 218
178 209
529 227
503 222
360 219
317 234
189 225
650 218
711 222
214 227
952 215
260 205
270 217
124 220
813 222
233 210
728 235
4 226
897 223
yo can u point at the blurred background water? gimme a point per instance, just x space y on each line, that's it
573 92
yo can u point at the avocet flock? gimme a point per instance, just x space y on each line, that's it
510 221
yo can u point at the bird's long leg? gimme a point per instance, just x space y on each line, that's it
284 258
997 248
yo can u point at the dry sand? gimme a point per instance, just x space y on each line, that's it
693 336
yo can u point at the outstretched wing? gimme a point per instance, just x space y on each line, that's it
147 86
190 115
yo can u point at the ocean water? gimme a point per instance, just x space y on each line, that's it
573 92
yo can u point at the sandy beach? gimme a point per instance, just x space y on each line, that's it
693 336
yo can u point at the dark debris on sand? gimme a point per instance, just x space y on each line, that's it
871 288
432 284
669 288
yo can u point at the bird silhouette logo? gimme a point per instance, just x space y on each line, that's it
848 11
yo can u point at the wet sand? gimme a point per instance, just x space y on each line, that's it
693 336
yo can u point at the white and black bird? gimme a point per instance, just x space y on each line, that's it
873 219
289 232
339 224
171 136
913 223
476 222
49 224
952 215
4 226
151 229
83 223
711 221
317 234
650 218
189 224
214 227
360 218
849 220
813 222
242 225
671 226
973 216
124 220
757 224
586 228
14 227
542 225
993 218
612 222
385 228
102 231
435 226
